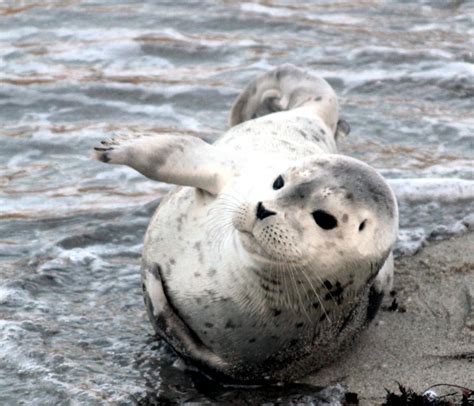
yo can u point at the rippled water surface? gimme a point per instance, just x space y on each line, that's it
72 321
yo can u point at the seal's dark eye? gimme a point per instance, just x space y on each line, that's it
279 183
324 220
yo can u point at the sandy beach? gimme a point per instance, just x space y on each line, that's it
428 339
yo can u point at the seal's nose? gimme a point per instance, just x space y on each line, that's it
262 212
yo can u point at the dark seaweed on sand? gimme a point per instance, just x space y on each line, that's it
407 397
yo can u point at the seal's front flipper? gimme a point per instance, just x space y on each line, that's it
180 160
171 327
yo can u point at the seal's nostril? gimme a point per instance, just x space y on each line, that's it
262 212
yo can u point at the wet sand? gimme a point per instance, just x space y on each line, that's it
428 339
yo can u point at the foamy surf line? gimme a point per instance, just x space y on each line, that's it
433 189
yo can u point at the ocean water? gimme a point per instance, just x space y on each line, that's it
72 321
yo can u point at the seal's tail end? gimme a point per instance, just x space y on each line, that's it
285 88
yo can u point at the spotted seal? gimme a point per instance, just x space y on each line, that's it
275 250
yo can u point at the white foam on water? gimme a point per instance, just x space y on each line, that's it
429 189
75 257
447 71
272 11
411 240
11 333
383 51
12 296
424 27
421 72
17 33
339 19
331 18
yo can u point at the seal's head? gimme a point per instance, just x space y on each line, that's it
327 212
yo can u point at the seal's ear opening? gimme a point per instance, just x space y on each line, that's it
343 129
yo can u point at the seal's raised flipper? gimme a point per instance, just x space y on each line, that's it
169 325
286 88
179 160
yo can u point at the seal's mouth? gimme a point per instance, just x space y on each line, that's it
254 247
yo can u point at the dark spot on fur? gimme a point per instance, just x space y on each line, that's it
276 312
210 292
198 300
327 284
265 287
349 196
299 325
293 342
323 316
252 340
375 299
211 272
230 324
335 294
305 135
209 325
143 288
315 305
319 98
172 261
345 217
197 274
